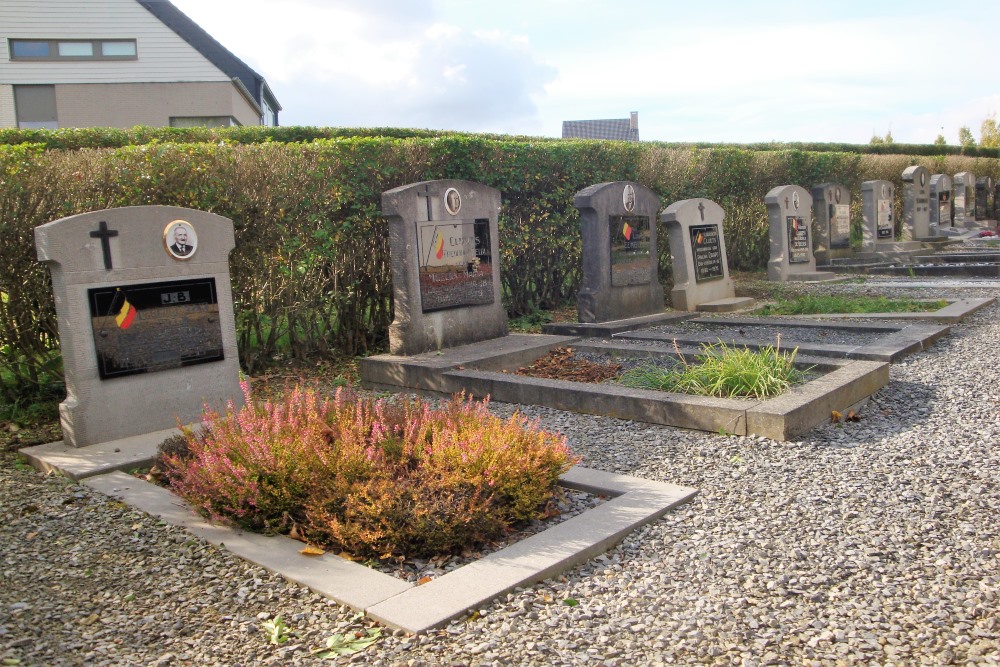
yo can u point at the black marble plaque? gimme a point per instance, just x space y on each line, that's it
455 264
155 326
706 251
798 240
981 191
944 209
630 248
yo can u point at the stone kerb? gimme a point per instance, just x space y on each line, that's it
444 249
146 326
878 217
964 184
789 213
620 260
916 203
940 213
697 253
831 221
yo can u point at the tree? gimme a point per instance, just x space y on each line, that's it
989 133
965 138
887 139
940 141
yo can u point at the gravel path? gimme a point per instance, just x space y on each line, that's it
872 543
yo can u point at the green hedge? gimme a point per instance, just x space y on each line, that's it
311 270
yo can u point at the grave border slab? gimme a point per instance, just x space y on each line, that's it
406 606
957 310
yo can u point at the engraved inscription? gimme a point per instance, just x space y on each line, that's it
798 240
455 264
155 326
630 250
840 225
884 223
706 251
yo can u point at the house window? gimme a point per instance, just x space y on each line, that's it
72 49
203 121
35 107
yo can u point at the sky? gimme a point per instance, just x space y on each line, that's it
715 70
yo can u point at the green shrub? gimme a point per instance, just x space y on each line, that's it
722 371
372 477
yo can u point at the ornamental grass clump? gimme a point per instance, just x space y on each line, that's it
723 371
374 478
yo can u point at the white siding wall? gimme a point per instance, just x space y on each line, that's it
163 55
8 118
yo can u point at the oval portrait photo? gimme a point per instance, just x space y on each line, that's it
180 240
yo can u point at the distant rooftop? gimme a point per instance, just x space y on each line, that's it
615 129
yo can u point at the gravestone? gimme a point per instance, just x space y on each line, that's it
964 198
146 325
831 221
996 202
878 220
620 260
940 204
916 203
984 198
789 214
698 256
445 257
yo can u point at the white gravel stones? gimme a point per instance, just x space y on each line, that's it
873 542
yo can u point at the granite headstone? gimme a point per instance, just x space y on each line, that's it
789 214
146 325
445 255
620 259
964 185
941 203
916 203
831 220
984 198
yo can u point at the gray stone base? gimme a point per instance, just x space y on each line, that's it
727 305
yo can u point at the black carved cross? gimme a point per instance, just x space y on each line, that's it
105 234
701 209
426 192
786 202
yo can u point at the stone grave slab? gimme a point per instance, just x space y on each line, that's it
445 254
941 220
956 311
916 203
620 259
146 324
871 341
831 222
789 213
698 256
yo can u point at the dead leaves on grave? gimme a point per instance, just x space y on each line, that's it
559 364
852 416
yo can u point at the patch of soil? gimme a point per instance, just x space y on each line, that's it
560 364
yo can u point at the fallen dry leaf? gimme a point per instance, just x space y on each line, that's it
835 417
423 580
310 550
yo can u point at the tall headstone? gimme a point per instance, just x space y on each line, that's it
831 221
789 214
445 265
698 256
941 218
916 203
984 198
620 260
878 219
996 201
965 198
146 325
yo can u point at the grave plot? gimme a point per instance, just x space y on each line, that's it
489 368
872 341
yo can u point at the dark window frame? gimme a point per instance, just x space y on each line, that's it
97 53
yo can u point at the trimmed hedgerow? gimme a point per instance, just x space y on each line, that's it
373 477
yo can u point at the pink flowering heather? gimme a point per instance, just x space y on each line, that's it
373 477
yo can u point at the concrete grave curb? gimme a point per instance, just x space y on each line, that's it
956 311
417 609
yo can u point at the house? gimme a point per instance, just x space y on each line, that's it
119 63
617 129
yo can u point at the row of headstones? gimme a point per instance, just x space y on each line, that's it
144 303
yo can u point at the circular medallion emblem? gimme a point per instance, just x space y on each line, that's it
452 201
628 198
